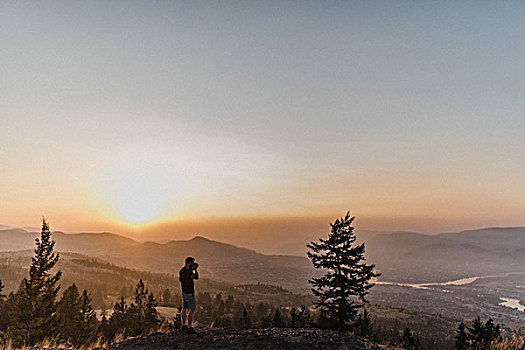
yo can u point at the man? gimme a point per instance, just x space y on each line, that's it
186 276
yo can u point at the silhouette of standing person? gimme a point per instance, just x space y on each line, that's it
187 275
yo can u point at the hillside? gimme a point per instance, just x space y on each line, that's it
219 261
399 256
107 282
414 257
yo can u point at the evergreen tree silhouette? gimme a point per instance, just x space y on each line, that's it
304 317
476 334
245 322
277 320
461 338
118 322
408 341
342 291
294 318
137 310
491 332
300 317
151 314
34 314
364 327
166 297
68 315
88 321
4 312
267 322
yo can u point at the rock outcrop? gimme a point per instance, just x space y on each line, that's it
273 338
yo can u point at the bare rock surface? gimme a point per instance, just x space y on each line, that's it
273 338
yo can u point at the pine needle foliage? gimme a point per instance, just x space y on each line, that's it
34 317
342 291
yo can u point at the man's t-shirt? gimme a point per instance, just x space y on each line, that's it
186 278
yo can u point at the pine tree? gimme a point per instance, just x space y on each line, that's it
304 317
267 322
68 315
261 311
4 312
2 297
491 332
118 321
166 297
142 313
324 321
342 291
461 338
104 328
294 318
137 310
476 333
35 308
277 319
245 322
364 327
88 321
407 340
151 314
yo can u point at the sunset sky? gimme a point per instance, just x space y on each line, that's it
118 115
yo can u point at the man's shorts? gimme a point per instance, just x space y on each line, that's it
189 302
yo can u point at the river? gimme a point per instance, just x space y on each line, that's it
512 303
507 302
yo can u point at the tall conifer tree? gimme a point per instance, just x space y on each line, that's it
151 314
88 321
461 338
68 315
137 310
4 312
34 313
342 291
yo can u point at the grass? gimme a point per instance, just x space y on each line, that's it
514 343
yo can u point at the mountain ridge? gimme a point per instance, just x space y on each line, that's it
399 256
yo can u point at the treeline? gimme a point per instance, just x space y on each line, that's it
32 313
107 282
479 336
36 311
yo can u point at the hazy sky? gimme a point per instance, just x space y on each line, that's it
408 113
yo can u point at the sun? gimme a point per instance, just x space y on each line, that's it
138 199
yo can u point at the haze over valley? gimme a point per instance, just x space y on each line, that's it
415 268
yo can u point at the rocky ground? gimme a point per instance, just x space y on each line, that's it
274 338
218 338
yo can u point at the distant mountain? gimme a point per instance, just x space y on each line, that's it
95 244
399 256
503 239
219 261
414 257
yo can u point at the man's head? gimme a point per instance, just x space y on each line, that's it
189 261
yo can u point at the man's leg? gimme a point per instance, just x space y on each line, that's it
190 317
183 316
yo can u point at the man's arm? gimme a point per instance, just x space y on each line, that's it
195 274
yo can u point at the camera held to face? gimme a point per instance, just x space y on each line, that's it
194 266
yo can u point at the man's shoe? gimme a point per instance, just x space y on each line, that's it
184 327
191 330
